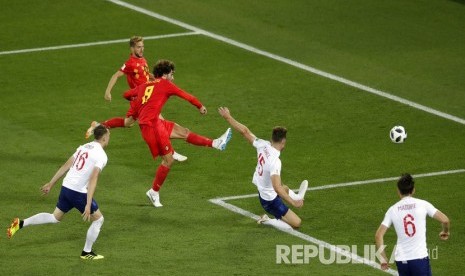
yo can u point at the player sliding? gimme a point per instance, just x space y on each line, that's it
77 191
267 176
151 97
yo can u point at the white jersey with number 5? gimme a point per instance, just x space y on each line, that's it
86 158
268 164
409 219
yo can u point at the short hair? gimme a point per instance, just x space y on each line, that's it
162 67
134 40
99 131
278 134
405 184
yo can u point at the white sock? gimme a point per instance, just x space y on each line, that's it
278 224
41 218
92 234
294 196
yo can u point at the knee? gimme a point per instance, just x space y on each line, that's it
297 223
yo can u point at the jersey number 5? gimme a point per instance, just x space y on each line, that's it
409 226
147 94
80 160
261 161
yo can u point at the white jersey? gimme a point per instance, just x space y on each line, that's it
86 158
268 164
409 219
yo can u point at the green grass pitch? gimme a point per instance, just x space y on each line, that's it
337 133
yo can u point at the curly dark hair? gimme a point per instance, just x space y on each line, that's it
162 67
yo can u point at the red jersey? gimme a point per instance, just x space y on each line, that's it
136 71
152 96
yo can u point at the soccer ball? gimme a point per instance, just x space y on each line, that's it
398 134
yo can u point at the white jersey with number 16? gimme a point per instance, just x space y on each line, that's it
86 158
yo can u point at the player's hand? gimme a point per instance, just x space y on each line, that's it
203 110
444 235
384 266
107 97
298 203
224 111
46 188
86 214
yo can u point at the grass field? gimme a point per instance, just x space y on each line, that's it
338 133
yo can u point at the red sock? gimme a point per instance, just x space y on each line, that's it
198 140
160 177
114 122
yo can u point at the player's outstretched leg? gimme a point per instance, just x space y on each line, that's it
221 142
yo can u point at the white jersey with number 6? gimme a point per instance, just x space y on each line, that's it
409 219
268 164
86 158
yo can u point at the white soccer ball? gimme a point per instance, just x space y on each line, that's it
398 134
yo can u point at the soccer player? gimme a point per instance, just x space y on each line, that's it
77 191
267 176
137 72
409 219
151 97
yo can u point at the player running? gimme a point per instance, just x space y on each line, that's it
77 191
409 219
267 176
151 97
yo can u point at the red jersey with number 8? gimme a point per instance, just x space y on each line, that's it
152 96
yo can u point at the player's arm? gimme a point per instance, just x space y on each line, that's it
188 97
90 192
242 129
112 83
444 220
59 174
379 238
281 191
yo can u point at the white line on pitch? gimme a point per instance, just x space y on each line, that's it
125 40
290 62
305 237
355 183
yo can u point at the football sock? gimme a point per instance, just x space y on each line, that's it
198 140
278 224
114 122
160 177
294 196
92 234
41 218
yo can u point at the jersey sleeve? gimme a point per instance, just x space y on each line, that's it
387 221
275 167
186 96
430 209
259 143
101 161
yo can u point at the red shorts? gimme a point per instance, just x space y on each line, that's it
168 125
157 138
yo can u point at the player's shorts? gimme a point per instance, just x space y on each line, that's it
157 138
70 199
168 125
276 207
415 267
